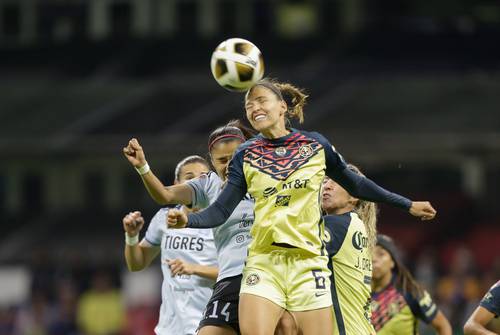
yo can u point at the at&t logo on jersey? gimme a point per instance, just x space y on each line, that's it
295 184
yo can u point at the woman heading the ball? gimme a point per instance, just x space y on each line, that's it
283 170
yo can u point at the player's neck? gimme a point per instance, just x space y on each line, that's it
275 132
340 211
379 285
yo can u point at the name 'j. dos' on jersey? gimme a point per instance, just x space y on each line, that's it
284 176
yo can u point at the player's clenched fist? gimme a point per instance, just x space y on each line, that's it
423 210
134 153
176 218
132 223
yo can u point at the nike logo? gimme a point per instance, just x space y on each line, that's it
320 294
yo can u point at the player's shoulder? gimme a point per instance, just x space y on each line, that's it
248 143
314 135
335 222
336 229
492 297
243 147
162 212
496 287
208 177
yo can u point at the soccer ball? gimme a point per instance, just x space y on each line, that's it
237 64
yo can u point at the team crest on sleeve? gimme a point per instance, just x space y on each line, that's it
280 162
252 279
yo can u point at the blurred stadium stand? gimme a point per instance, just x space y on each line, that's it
409 91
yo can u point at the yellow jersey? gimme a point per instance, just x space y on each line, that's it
351 267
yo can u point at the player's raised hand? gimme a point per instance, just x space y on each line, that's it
133 223
176 218
423 210
134 153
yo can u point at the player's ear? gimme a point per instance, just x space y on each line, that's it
283 107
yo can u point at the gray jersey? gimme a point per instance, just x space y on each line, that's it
233 237
184 297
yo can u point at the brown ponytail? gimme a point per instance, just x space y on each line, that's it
295 99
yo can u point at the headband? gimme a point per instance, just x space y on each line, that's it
218 138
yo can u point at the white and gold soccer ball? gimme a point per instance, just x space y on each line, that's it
237 64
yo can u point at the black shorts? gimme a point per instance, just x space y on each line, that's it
222 308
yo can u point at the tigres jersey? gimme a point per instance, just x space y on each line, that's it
351 267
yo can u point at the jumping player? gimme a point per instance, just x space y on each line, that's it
283 169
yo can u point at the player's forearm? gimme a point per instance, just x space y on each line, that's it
366 189
156 189
134 257
210 272
218 212
474 328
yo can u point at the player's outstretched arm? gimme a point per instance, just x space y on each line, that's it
180 267
175 194
366 189
477 322
213 216
137 255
